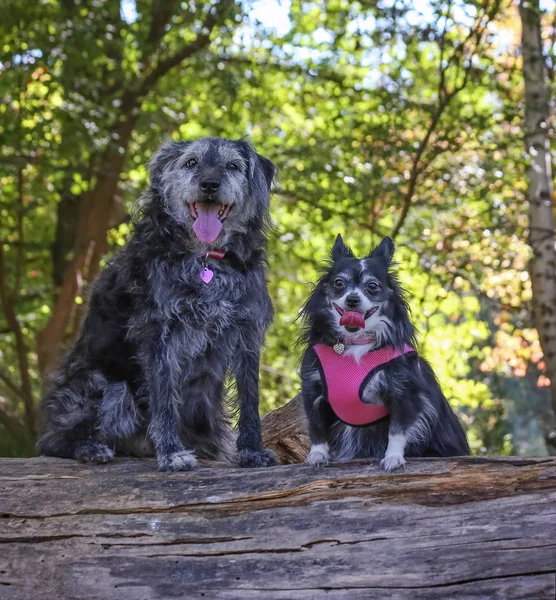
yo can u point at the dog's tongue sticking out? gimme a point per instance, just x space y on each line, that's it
352 319
207 225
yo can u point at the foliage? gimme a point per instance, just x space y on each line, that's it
381 120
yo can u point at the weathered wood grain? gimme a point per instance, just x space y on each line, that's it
461 528
285 431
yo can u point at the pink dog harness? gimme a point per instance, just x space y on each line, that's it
345 378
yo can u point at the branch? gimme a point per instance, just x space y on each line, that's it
10 383
277 372
14 427
161 12
417 168
320 71
442 84
20 256
215 17
20 201
38 162
445 98
21 347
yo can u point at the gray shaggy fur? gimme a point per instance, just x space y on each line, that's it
148 369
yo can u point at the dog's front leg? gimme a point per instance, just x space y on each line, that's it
394 456
317 411
250 442
405 417
164 400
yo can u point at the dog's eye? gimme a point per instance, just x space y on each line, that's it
372 286
339 283
192 162
232 167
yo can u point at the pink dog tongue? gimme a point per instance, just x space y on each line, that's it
352 319
207 225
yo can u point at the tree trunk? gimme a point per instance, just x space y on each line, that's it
471 527
94 217
540 195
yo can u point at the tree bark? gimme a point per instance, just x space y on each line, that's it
94 218
472 527
540 195
26 389
285 432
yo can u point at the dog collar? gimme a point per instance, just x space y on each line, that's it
340 345
207 274
218 254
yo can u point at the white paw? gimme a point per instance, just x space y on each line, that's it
318 456
182 461
391 462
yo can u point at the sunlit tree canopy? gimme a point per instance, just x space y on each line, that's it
384 118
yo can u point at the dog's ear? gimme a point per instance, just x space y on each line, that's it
268 169
167 152
385 250
261 172
340 250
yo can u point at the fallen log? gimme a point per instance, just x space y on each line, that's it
445 528
285 432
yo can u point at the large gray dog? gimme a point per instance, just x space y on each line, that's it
185 301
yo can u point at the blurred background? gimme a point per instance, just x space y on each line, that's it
391 117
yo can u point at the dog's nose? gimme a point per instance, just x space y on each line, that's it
210 185
353 300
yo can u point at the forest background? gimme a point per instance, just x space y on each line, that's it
426 121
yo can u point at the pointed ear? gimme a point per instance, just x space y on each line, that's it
385 250
340 250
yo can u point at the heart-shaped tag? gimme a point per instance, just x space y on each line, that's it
207 275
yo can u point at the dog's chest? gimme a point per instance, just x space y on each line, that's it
184 293
355 389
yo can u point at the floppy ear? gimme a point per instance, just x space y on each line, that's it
260 172
340 250
385 250
167 152
268 169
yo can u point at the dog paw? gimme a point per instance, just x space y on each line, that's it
184 460
94 452
392 462
256 458
318 455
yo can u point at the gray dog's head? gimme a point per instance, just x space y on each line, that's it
212 185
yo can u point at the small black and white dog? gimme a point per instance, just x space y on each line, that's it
185 301
365 390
